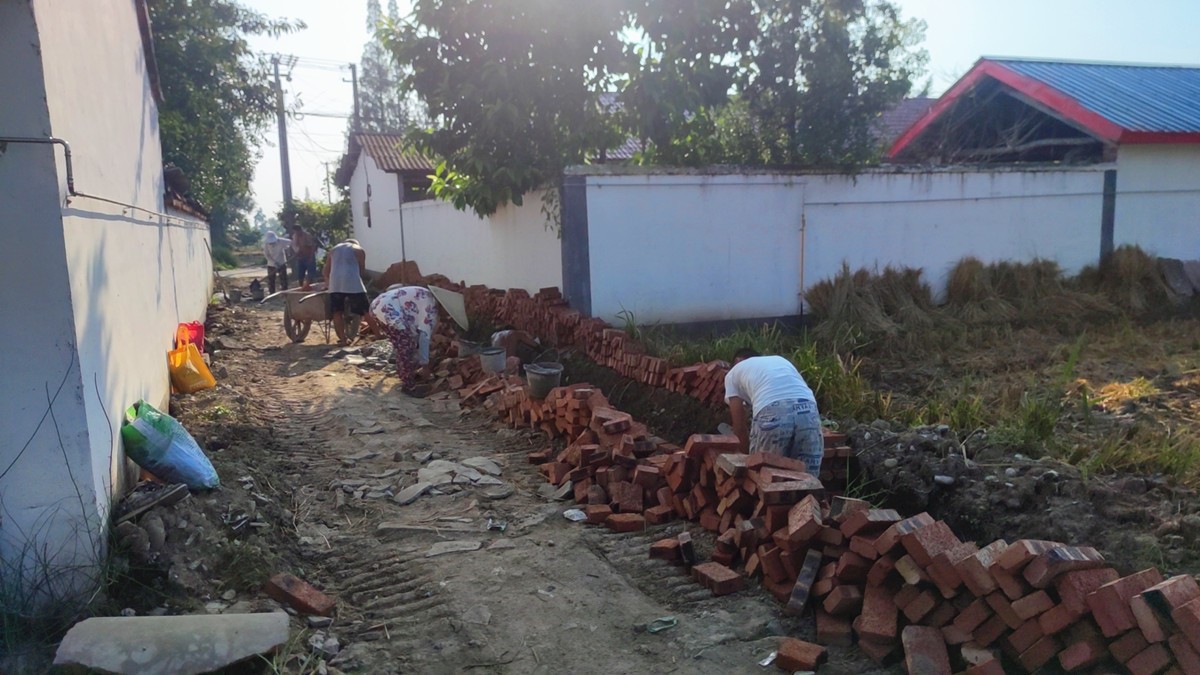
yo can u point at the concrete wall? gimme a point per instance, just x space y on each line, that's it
124 275
513 248
688 248
1158 199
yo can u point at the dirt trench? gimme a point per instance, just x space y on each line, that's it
322 444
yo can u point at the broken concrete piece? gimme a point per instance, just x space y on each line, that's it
467 472
409 494
423 457
502 491
443 466
444 547
170 644
483 464
488 480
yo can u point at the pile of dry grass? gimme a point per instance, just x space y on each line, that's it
972 297
848 309
1130 280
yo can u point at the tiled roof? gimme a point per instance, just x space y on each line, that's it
895 120
388 152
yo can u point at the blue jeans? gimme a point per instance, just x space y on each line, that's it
791 429
306 265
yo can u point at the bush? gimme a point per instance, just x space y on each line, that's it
224 258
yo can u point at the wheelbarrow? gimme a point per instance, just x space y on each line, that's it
301 308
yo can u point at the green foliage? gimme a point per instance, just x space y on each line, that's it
329 223
224 258
217 98
384 105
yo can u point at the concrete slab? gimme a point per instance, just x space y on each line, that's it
153 645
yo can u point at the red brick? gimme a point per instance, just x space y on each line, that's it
759 460
852 568
1187 618
921 606
1012 585
993 629
833 630
955 636
556 472
1046 567
941 615
700 444
1185 654
878 651
597 513
1110 602
974 569
718 578
832 536
1022 552
1074 587
864 546
869 521
804 521
665 549
1033 604
805 577
299 595
1057 619
881 571
658 515
991 667
1039 654
1146 619
626 497
943 569
1023 638
891 536
879 615
973 616
925 651
844 601
1003 608
625 522
1174 592
1128 645
1151 660
823 587
907 594
841 508
926 542
794 655
1082 654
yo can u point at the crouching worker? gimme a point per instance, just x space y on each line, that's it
518 343
407 316
785 418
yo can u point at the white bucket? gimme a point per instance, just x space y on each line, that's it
492 359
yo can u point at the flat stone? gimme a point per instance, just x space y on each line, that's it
361 457
478 615
423 457
410 494
435 478
461 480
547 490
488 480
355 360
444 466
319 621
153 645
565 491
502 491
468 473
483 464
502 544
444 547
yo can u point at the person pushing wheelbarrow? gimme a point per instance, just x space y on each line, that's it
408 317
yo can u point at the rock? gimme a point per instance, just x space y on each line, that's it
502 491
488 480
547 490
226 342
355 360
361 456
410 494
483 464
152 645
325 645
423 457
319 621
500 544
155 531
478 615
565 491
434 478
444 547
240 607
443 466
891 462
467 472
229 595
129 611
943 480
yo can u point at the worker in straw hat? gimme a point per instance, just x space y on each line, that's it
408 317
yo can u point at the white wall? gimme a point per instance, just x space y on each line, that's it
513 248
128 276
686 248
1158 199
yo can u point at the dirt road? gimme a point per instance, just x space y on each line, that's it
326 444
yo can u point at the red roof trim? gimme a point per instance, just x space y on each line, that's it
1150 137
1052 98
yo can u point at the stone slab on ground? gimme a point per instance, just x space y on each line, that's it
170 644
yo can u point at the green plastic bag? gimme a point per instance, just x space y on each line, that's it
160 445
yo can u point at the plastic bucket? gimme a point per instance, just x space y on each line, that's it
493 359
542 378
467 348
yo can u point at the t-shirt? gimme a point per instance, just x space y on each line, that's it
344 274
763 380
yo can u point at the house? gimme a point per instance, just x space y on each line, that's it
95 274
1143 120
516 247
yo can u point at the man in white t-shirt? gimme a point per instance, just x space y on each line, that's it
773 409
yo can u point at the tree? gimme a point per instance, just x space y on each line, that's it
217 99
384 105
329 223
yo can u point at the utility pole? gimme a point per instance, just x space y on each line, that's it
354 83
328 190
289 217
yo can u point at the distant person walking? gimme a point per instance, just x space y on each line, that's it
408 316
343 275
305 247
773 409
275 250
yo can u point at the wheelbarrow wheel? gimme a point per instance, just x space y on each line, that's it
296 329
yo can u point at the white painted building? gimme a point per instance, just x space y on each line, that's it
94 276
516 247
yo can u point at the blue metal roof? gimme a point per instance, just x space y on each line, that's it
1143 98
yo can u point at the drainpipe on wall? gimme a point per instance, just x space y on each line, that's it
1108 213
403 253
50 140
803 233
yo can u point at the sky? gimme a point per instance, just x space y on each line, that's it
958 32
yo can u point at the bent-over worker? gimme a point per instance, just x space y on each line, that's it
519 343
275 250
408 316
343 276
785 419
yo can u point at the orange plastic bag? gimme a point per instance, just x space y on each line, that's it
189 373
